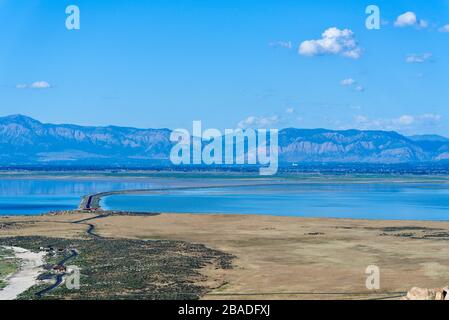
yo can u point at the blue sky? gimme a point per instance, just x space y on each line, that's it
165 63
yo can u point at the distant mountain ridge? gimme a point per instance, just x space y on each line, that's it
26 141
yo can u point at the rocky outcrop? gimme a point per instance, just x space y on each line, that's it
428 294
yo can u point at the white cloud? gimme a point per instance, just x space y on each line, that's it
430 118
418 58
402 123
35 85
348 82
423 24
258 122
333 41
361 119
444 29
281 44
40 85
406 19
409 19
405 120
290 110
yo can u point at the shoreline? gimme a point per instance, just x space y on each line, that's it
92 203
309 177
213 214
30 267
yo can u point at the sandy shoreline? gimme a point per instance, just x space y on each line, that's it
30 268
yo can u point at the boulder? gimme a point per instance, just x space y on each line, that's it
428 294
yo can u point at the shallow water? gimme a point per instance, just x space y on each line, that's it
37 196
377 200
403 201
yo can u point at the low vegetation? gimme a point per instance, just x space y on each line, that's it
8 265
129 269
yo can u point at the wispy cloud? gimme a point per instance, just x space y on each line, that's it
334 42
409 19
281 44
350 82
360 88
403 122
430 118
288 118
347 82
34 85
444 29
259 122
40 85
418 58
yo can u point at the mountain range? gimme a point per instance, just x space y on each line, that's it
26 141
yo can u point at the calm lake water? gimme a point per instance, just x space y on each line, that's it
416 201
364 201
37 196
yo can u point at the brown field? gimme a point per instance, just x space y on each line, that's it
282 257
